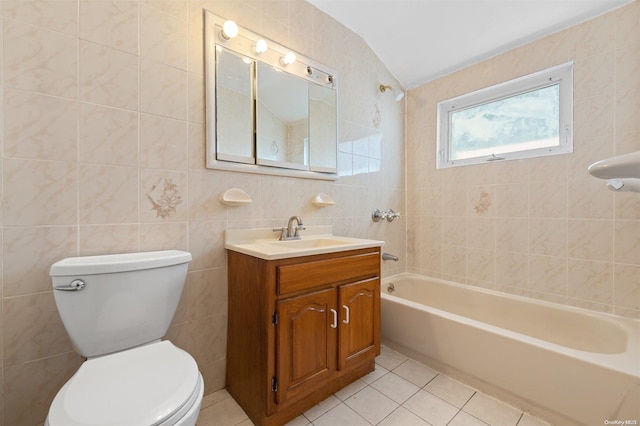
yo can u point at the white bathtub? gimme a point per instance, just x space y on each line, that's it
566 365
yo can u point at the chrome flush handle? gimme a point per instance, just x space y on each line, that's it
75 285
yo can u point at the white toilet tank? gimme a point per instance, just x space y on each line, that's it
114 302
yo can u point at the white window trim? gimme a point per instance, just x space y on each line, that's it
562 74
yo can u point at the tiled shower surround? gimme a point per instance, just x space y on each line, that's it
541 228
102 135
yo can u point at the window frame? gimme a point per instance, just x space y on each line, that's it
560 74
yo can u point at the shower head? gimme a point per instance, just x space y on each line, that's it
397 93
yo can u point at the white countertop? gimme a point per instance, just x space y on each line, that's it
264 244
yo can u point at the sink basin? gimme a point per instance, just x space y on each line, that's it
263 243
312 243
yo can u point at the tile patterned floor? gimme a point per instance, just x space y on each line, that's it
400 392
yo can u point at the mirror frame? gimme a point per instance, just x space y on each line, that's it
242 44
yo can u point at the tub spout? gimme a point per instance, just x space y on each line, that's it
387 256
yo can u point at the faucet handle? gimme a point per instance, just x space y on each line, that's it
299 228
391 215
282 231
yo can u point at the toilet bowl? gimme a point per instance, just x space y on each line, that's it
156 384
116 318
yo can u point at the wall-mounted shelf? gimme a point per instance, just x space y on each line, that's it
322 200
235 197
622 172
622 166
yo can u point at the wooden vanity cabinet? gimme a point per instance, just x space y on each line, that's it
300 329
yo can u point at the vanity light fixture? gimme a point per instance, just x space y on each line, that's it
397 93
229 30
288 59
261 46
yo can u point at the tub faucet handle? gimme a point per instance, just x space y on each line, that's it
391 215
377 215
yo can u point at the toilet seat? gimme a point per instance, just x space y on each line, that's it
147 386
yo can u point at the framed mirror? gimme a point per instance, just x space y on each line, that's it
269 110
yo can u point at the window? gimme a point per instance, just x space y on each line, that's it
530 116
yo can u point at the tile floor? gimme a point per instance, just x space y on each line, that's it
400 392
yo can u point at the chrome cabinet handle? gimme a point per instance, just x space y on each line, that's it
74 285
346 320
335 318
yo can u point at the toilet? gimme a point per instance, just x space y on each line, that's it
116 308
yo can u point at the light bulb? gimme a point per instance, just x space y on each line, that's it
229 30
261 46
288 59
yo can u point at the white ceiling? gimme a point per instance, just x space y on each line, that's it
421 40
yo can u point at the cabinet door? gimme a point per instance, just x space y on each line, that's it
359 336
306 343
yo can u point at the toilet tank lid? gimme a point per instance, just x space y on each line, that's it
110 263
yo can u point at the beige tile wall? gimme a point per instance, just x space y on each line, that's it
102 134
541 228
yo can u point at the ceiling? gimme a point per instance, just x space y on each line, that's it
421 40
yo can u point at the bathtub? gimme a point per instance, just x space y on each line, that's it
563 364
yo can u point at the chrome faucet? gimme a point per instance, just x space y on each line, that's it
290 232
294 233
